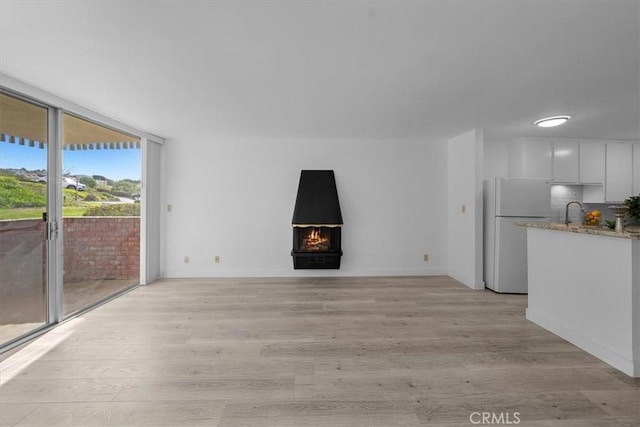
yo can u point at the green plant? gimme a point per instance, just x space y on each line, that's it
633 202
15 193
121 209
125 188
89 182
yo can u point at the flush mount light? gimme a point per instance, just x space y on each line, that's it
549 122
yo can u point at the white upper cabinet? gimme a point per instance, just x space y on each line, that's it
530 158
609 171
619 171
565 161
636 168
592 162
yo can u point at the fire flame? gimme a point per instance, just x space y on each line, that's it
315 241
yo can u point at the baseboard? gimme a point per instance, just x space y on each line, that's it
624 364
314 273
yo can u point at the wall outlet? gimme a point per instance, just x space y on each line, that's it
464 208
216 259
169 208
426 257
186 259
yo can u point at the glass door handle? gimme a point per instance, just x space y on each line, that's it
53 230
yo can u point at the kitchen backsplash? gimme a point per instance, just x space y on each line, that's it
563 194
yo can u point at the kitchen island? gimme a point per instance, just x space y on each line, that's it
584 286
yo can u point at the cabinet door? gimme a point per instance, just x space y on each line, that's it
565 161
636 168
592 163
619 171
530 158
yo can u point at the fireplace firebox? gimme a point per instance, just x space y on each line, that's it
317 222
316 247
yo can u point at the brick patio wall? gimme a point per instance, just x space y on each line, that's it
95 248
22 272
98 248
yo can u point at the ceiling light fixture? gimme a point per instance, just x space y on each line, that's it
549 122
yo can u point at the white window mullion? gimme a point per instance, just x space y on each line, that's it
54 213
143 211
150 211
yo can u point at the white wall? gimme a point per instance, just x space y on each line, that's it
465 173
234 198
496 158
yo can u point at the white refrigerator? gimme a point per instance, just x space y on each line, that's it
508 201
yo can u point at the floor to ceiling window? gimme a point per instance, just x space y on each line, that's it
71 195
23 202
101 234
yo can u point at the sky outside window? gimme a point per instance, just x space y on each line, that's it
111 163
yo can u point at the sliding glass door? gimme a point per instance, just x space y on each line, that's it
70 226
101 213
23 209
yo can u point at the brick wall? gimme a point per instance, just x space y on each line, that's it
95 248
22 271
101 248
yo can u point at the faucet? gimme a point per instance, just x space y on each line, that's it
567 221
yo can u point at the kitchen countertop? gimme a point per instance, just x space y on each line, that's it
581 229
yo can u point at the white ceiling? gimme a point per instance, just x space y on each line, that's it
335 69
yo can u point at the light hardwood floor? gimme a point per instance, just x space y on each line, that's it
77 296
406 351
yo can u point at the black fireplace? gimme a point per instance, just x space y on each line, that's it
317 222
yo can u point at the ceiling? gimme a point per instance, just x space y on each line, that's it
428 69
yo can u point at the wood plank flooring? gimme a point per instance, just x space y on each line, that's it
404 351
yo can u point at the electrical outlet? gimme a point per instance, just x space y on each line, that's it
464 208
426 257
186 259
216 259
169 208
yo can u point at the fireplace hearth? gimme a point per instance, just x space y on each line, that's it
317 222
